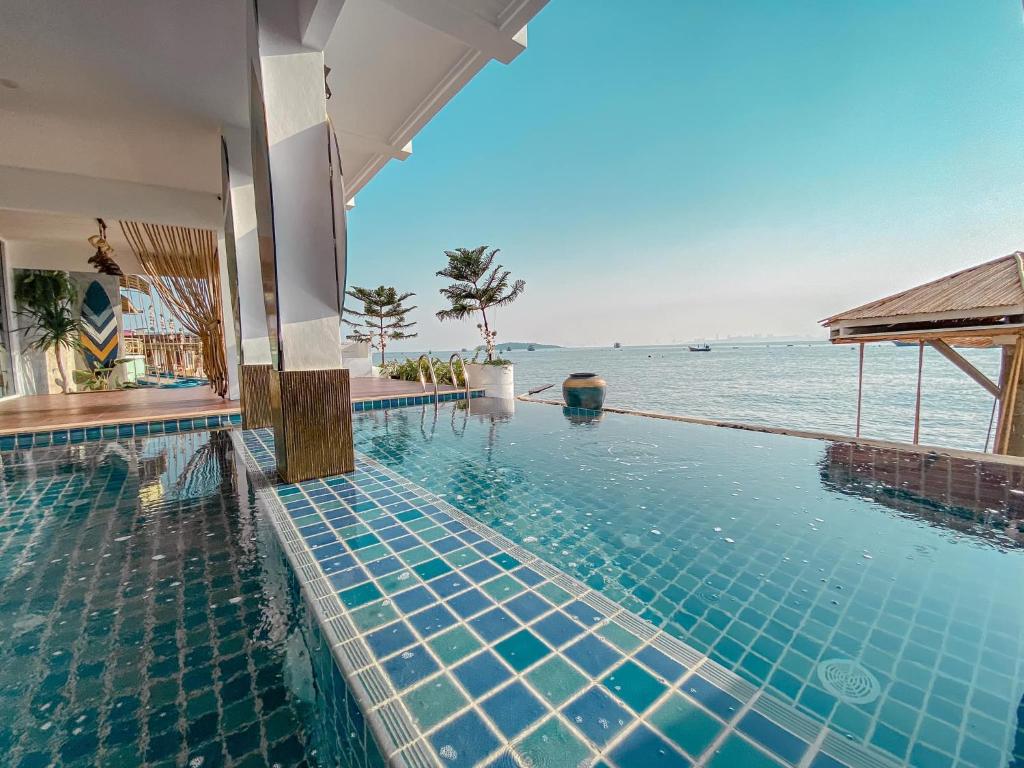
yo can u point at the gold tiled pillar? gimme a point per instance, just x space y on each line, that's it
254 384
312 413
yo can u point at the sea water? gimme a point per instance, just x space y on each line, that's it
810 386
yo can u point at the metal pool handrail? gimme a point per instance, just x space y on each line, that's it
465 373
423 381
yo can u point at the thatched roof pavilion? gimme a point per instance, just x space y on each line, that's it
982 306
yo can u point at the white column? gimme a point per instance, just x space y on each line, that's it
252 315
308 228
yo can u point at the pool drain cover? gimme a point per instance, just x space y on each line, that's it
848 681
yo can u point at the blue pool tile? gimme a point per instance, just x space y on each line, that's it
413 599
348 578
394 637
482 673
320 539
362 540
593 655
486 548
432 620
410 666
450 584
506 561
513 709
470 603
402 543
768 734
385 565
598 715
465 741
583 613
557 629
712 697
471 537
494 624
528 576
328 551
447 544
661 664
481 571
431 569
527 606
643 747
339 563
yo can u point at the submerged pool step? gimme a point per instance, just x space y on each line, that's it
466 649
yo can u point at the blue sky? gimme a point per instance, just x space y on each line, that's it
663 171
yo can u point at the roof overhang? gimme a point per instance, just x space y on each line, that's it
120 114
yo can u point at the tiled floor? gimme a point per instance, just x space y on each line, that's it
469 650
33 413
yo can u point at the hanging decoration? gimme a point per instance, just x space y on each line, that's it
181 266
103 259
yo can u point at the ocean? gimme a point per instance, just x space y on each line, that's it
803 385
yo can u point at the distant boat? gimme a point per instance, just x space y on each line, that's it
617 345
699 347
905 343
531 348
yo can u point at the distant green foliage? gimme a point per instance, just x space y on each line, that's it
478 285
382 319
406 370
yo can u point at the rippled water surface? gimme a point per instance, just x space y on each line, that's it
868 588
805 386
146 614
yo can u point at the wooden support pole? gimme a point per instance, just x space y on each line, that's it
917 405
860 386
1012 386
964 365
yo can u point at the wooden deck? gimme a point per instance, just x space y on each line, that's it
36 413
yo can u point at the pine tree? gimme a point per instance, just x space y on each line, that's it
478 288
382 319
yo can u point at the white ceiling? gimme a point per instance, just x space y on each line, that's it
30 225
138 91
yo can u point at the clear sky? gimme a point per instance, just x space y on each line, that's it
663 170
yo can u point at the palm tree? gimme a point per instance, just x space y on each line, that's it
382 318
477 288
47 298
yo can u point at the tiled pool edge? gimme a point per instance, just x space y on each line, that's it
399 737
832 437
118 430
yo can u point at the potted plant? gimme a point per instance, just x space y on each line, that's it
382 319
46 298
480 285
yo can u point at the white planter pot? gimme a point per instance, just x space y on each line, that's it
494 380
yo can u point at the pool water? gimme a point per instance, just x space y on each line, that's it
147 614
874 590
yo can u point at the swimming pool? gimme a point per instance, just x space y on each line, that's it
868 588
150 617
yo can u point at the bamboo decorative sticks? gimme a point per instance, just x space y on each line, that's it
181 264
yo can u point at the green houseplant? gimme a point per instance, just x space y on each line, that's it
46 299
480 285
382 319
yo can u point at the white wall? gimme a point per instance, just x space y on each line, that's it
67 256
